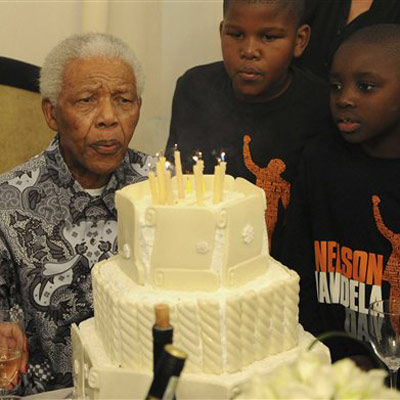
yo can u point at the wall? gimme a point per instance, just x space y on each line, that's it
168 36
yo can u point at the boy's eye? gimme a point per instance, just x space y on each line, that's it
269 38
234 34
366 86
335 86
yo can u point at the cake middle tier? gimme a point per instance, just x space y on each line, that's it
190 246
222 331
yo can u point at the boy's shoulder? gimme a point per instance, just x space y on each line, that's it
306 80
205 70
324 147
205 74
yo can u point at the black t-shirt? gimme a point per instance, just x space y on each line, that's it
207 117
328 21
343 238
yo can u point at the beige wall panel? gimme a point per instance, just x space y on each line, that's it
169 36
30 28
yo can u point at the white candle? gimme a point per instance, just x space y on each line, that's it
178 173
217 185
153 187
188 185
198 181
203 187
168 188
160 167
222 165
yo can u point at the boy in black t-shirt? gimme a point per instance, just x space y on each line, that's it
253 106
343 226
332 21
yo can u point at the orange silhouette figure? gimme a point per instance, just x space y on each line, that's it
269 179
392 272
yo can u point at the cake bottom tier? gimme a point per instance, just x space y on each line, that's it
97 377
223 331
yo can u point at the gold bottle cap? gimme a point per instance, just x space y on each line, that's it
171 349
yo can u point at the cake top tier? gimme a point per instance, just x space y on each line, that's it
192 245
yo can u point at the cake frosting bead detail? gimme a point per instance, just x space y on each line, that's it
233 334
291 311
263 323
145 324
276 308
211 330
129 329
248 304
190 336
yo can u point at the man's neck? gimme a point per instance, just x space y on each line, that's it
90 180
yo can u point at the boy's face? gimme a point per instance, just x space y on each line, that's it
258 43
365 97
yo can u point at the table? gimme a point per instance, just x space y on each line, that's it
65 393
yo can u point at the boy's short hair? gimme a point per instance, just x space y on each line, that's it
386 35
294 7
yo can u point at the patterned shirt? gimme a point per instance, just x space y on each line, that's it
51 234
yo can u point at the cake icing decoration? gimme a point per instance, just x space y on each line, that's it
126 251
202 247
248 234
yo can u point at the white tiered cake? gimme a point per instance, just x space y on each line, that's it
234 309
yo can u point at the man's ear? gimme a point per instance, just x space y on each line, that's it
303 37
221 27
49 114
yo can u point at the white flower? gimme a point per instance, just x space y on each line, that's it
311 376
248 234
202 247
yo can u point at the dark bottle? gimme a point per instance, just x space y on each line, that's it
167 374
162 332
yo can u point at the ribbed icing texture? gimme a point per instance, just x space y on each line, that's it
223 331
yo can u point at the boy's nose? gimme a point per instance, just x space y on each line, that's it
345 99
250 49
106 116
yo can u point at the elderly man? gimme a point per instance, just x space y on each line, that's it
57 213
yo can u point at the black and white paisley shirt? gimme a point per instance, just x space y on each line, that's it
51 234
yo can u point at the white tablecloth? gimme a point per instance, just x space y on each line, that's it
53 395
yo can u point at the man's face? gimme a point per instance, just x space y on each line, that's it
365 97
258 43
96 115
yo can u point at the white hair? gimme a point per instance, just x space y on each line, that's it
81 46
